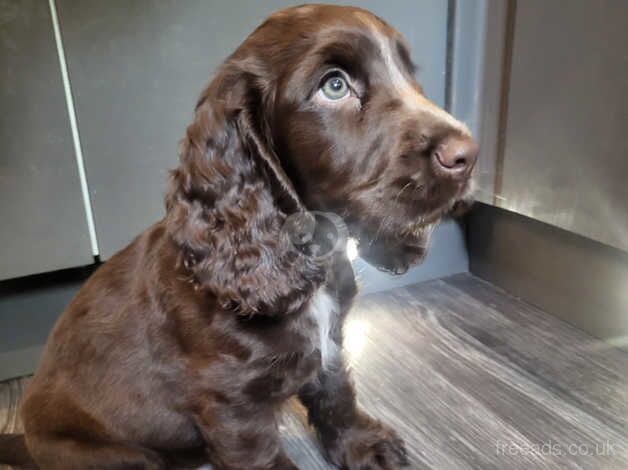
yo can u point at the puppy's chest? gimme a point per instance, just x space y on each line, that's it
308 335
299 352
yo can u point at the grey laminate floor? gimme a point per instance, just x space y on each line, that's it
471 378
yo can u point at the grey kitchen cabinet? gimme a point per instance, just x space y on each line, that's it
137 68
43 225
565 158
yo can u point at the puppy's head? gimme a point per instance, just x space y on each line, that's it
356 134
318 109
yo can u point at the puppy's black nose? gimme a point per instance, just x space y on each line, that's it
455 155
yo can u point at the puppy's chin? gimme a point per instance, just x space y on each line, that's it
395 253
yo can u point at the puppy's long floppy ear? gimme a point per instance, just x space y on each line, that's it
222 206
255 127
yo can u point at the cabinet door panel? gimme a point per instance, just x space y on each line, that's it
42 219
566 153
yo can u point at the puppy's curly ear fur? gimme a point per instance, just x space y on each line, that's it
222 205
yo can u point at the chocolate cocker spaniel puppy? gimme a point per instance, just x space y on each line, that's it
194 335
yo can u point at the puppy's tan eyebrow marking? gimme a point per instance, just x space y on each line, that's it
406 88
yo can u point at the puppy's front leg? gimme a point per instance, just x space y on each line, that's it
352 439
242 437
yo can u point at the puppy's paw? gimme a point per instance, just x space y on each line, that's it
369 445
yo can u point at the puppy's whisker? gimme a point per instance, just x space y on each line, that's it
402 190
382 224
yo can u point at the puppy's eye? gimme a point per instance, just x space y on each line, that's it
335 88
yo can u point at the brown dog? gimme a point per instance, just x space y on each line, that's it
195 334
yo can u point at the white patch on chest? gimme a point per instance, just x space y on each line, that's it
324 310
